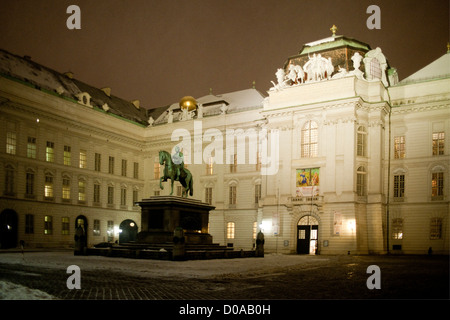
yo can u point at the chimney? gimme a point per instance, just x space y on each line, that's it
136 103
107 91
69 74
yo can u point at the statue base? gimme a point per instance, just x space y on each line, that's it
162 214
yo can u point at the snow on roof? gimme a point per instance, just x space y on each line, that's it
438 69
40 77
236 101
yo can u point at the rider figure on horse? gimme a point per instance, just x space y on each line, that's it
178 160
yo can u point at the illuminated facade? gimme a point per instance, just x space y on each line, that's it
362 162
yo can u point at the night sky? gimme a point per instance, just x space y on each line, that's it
158 51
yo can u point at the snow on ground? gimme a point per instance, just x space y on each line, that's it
162 268
12 291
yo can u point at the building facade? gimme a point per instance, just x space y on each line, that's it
339 157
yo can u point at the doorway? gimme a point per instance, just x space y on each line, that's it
129 231
81 221
8 229
307 235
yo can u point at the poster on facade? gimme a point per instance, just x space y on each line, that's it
337 223
307 182
275 223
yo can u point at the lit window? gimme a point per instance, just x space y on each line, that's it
81 190
438 143
48 186
397 229
65 225
96 230
437 186
11 142
31 148
399 147
309 140
209 166
230 230
50 152
255 229
66 188
48 225
83 159
67 155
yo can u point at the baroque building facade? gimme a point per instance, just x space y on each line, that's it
339 157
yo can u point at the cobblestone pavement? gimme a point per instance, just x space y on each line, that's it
337 277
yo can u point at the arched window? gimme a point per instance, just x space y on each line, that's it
309 140
361 187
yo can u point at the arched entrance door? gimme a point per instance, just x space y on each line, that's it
8 229
129 231
307 235
81 221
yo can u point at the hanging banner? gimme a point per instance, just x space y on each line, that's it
307 182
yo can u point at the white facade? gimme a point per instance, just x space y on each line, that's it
363 165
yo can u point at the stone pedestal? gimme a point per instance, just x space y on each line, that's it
161 215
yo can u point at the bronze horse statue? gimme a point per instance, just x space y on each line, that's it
171 171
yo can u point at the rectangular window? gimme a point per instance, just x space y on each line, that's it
123 197
436 229
230 230
83 159
48 225
437 186
96 193
257 193
111 165
50 152
438 143
81 191
255 230
66 188
31 148
397 229
135 197
124 167
11 142
110 230
110 195
361 142
65 225
136 170
156 170
209 166
208 195
29 224
29 190
233 165
98 162
67 155
232 195
399 186
96 229
48 187
399 147
361 184
9 181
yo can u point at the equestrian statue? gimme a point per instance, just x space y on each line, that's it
175 171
